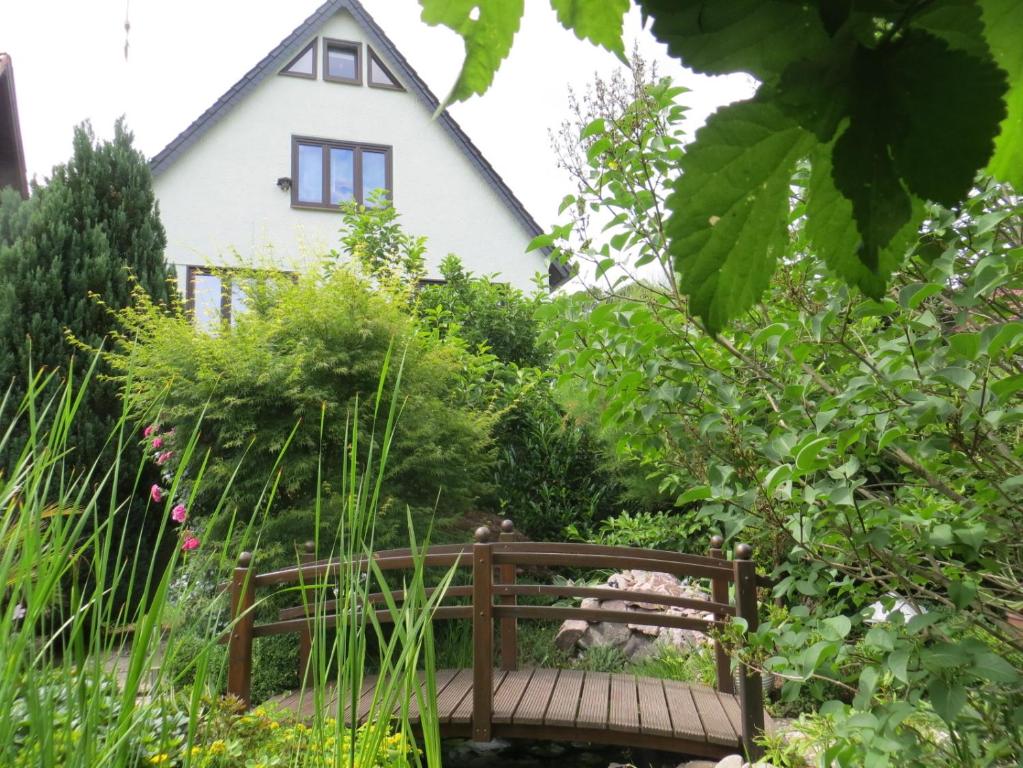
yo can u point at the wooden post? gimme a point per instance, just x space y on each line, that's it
482 635
305 635
751 692
239 645
509 626
719 594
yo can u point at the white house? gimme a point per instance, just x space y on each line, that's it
330 114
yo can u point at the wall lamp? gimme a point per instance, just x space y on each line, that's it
284 183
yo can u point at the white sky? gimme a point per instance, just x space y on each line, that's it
69 65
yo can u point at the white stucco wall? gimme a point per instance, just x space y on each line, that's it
221 206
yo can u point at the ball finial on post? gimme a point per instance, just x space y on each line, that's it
244 559
310 547
507 526
717 541
743 552
482 535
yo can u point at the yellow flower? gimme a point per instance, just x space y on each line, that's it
160 759
218 747
274 725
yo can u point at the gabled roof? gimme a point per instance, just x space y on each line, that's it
382 46
12 154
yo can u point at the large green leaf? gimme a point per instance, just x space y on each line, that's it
730 207
599 21
863 170
832 232
1003 25
957 22
946 106
488 28
761 37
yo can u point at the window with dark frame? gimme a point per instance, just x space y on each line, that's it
378 75
215 297
342 61
326 173
304 64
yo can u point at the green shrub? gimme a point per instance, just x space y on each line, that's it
290 376
274 665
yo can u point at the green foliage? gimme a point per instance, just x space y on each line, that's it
675 532
93 229
909 100
695 664
229 735
274 666
373 238
870 449
486 314
291 377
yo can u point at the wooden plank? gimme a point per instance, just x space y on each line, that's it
730 704
565 699
452 695
510 693
685 720
463 712
443 677
624 715
533 706
593 705
653 707
482 638
715 722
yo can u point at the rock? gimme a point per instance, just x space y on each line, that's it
698 764
570 633
638 646
605 633
732 761
590 603
484 747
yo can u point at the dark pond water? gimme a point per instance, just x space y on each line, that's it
524 754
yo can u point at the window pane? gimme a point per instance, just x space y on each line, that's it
206 301
310 174
342 175
303 65
239 298
374 173
378 75
342 62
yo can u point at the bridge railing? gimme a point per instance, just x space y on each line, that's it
494 568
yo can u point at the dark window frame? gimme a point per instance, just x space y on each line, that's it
369 72
315 74
358 147
351 45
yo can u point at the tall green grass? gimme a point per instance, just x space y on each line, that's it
66 561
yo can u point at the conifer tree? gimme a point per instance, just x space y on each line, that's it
94 229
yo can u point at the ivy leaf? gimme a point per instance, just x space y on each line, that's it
761 37
730 207
947 105
488 28
831 229
599 21
1003 20
863 170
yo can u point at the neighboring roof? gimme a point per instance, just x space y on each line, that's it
12 154
382 46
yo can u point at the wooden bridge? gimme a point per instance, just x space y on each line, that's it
485 702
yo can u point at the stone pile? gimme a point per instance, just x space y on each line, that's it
636 640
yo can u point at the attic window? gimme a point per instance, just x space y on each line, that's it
379 75
342 61
303 65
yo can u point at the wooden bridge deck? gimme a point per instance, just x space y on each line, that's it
571 705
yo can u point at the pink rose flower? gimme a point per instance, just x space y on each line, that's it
148 431
179 514
164 457
157 443
156 494
189 544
